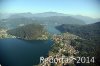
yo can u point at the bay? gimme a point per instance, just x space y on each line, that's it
18 52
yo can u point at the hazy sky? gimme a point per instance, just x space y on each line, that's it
74 7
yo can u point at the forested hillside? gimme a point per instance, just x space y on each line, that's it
90 44
29 32
85 31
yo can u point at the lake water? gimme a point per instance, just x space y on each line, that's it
51 29
17 52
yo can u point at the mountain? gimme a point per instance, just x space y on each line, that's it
62 20
31 15
4 15
28 32
89 45
11 23
86 19
47 18
90 31
20 15
49 14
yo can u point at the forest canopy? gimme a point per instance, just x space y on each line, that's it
30 31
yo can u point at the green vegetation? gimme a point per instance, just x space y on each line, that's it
29 32
90 44
89 31
75 40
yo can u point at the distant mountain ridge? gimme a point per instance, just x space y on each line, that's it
47 18
44 14
86 19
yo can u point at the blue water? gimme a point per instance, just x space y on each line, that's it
51 29
17 52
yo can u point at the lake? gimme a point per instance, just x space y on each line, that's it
17 52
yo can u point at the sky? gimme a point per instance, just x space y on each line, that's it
74 7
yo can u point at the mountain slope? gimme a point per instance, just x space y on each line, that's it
49 19
85 31
28 32
86 19
90 45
